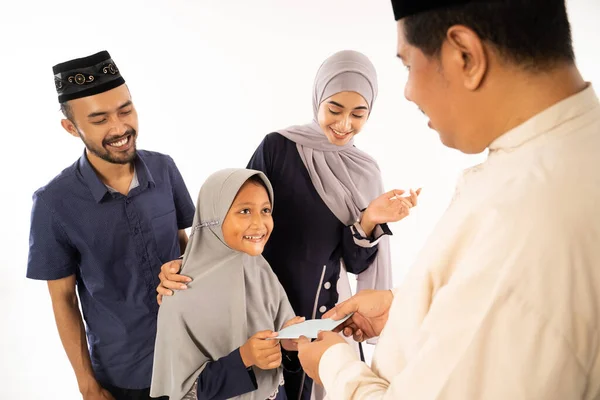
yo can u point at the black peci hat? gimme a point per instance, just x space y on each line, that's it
405 8
86 76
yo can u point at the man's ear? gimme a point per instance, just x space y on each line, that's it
469 52
69 126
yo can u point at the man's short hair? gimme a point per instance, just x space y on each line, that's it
534 34
65 108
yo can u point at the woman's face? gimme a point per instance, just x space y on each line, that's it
342 116
248 223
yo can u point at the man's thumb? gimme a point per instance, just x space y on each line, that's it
174 266
341 310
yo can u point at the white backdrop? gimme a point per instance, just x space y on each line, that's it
209 80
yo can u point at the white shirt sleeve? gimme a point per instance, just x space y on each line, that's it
506 352
511 318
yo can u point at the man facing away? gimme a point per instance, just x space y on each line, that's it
504 300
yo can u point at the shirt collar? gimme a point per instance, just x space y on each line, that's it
134 183
99 189
558 114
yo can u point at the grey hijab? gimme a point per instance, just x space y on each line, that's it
346 178
232 296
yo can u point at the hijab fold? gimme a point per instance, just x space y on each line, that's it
231 297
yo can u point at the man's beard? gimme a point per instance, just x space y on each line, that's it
107 155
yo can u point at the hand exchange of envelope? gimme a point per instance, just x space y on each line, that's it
309 328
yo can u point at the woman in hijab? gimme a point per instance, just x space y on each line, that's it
213 339
332 208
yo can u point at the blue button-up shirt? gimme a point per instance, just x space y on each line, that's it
115 245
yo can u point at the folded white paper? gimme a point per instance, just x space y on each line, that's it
309 328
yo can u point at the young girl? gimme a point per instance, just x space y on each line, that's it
212 338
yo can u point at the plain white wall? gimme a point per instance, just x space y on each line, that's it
209 80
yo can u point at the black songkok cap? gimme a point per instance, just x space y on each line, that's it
86 76
405 8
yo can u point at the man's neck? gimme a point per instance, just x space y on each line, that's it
523 95
111 174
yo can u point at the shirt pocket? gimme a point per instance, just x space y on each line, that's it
165 230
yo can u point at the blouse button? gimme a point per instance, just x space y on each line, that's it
327 285
322 309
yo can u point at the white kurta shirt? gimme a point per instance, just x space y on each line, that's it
504 300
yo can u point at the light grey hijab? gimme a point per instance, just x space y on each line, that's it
346 178
232 296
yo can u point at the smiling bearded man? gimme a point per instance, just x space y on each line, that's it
104 226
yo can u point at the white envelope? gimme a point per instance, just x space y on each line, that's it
309 328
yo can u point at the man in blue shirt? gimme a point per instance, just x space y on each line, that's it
105 225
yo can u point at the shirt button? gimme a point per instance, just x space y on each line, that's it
143 258
327 285
127 201
136 231
322 309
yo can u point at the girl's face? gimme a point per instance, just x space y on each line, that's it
248 223
342 116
